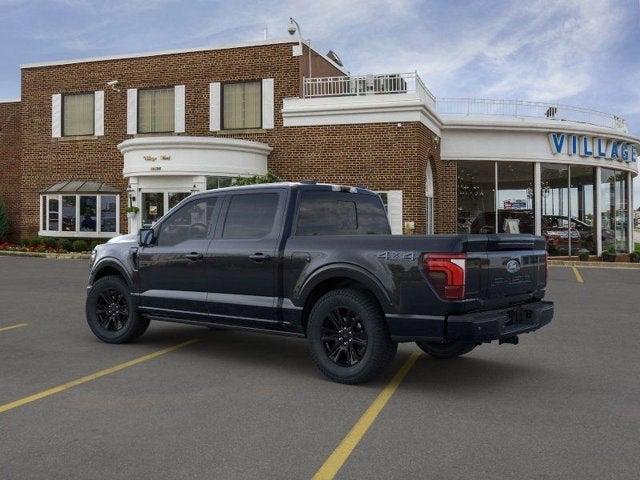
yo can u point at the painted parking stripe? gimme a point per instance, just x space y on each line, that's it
334 463
576 272
94 376
11 327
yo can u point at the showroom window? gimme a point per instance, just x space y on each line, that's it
156 110
241 105
515 198
78 114
79 215
476 197
614 190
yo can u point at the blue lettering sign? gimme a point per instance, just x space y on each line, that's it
573 146
614 150
624 151
586 147
601 147
557 142
634 153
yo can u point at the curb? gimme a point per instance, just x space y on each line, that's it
603 265
56 256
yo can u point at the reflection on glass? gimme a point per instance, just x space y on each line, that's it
515 198
88 213
152 207
108 216
218 182
476 197
555 207
176 197
53 214
581 205
69 214
615 218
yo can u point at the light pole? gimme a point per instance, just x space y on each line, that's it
292 29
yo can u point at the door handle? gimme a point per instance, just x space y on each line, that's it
194 256
259 257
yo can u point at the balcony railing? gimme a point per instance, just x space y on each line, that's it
356 85
526 109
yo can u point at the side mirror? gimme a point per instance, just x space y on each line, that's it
146 237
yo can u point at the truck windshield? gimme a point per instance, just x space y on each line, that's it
341 213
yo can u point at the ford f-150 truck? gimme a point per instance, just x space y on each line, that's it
318 261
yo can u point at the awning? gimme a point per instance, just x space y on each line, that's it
81 186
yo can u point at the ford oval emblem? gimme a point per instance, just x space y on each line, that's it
513 266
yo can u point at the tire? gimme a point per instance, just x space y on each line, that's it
443 351
110 311
350 323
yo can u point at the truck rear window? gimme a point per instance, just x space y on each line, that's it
341 213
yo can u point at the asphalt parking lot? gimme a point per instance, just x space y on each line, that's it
563 404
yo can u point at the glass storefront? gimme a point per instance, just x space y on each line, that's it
614 191
476 197
500 197
515 198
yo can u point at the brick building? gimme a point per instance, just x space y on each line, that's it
90 137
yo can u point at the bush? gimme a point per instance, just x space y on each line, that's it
80 246
26 242
583 254
50 242
4 221
256 179
94 244
65 244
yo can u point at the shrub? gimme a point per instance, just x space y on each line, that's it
94 244
65 244
268 178
26 242
4 221
80 246
583 254
50 242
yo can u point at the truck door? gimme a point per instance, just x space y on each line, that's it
243 259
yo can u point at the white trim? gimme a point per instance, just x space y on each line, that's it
98 113
215 118
56 115
537 198
394 211
268 107
132 111
598 208
10 100
630 242
179 109
175 52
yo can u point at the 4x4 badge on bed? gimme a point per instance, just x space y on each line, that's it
513 266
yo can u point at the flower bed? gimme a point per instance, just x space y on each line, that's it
48 245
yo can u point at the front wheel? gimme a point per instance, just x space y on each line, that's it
110 312
348 337
447 350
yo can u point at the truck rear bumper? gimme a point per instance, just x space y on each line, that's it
478 327
499 324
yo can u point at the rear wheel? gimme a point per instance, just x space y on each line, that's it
110 312
348 337
443 351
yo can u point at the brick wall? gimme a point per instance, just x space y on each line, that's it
377 156
9 160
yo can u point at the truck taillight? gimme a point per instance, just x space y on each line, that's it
447 272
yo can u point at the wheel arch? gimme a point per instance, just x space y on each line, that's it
342 276
109 267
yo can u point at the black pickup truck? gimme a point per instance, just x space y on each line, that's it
318 261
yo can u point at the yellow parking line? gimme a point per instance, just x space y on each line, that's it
332 465
94 376
579 278
19 325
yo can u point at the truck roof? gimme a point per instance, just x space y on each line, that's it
292 186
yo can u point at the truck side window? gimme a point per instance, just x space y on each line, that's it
191 222
251 215
341 213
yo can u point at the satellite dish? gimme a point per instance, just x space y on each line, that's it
334 56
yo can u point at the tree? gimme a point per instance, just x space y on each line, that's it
4 221
268 178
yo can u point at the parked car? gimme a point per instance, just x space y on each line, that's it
318 261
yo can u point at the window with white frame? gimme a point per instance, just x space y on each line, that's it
79 215
156 110
78 114
241 105
392 202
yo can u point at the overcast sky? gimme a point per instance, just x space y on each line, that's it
581 52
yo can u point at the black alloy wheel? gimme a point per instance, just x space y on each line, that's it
344 337
112 311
